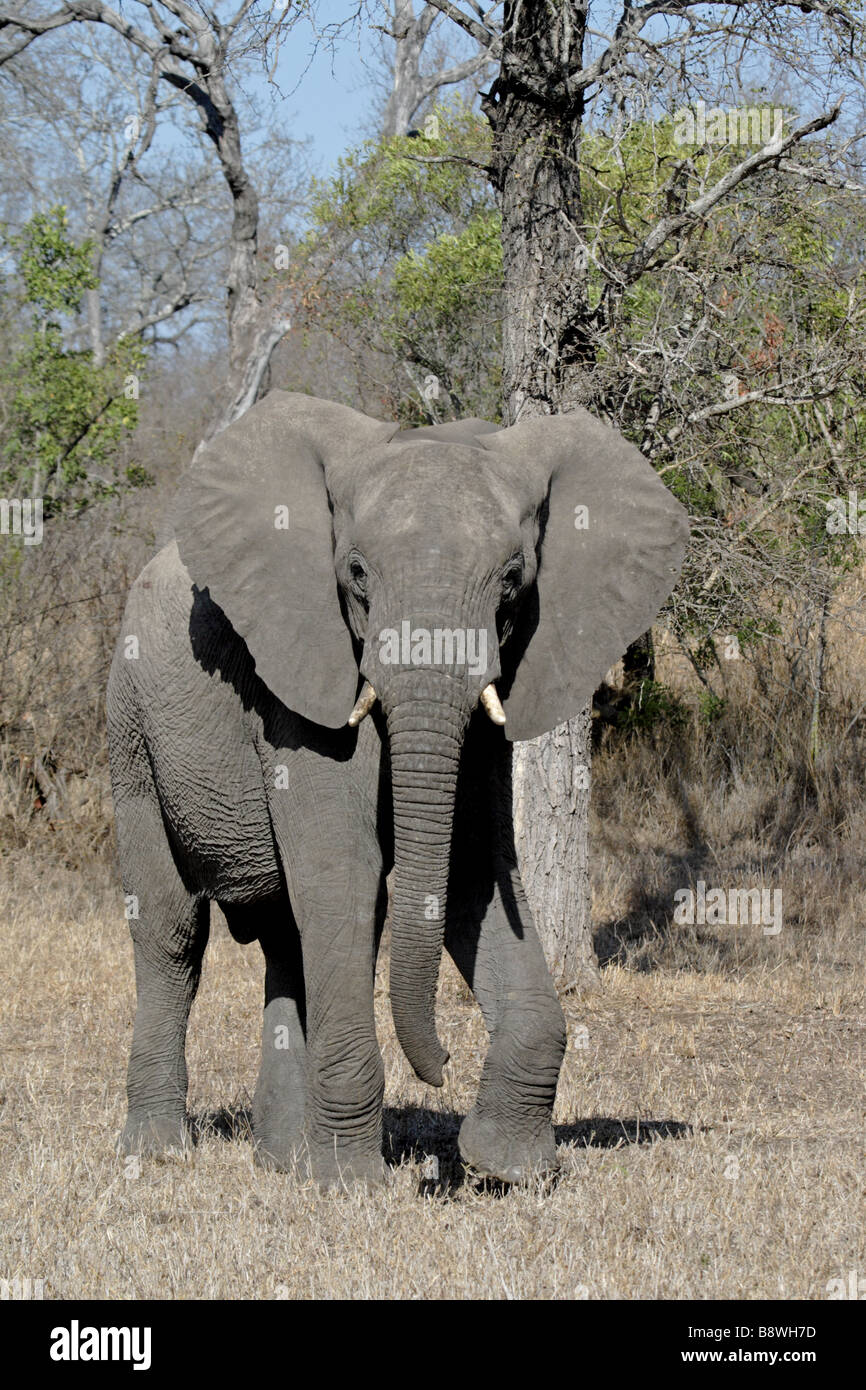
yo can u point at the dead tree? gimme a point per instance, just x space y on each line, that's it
411 85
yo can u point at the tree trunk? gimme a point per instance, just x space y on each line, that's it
550 781
548 361
93 305
408 88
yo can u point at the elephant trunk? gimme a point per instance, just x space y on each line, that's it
426 736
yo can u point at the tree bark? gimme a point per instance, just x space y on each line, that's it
548 362
550 779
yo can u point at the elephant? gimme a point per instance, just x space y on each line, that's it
317 682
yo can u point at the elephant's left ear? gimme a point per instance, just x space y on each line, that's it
253 526
611 545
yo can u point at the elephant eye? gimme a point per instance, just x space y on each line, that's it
358 575
512 578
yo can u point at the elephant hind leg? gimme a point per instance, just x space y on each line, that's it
169 926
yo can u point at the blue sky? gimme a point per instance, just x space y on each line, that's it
332 104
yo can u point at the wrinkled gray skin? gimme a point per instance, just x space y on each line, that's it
237 780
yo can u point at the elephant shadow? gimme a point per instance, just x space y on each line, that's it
231 1123
416 1134
607 1132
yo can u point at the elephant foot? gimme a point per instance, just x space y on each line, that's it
331 1171
343 1169
279 1153
155 1136
509 1157
278 1135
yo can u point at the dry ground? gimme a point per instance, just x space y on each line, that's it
710 1119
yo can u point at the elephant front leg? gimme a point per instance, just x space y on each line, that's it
345 1074
278 1104
337 907
508 1134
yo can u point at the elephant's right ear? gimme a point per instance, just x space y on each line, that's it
253 527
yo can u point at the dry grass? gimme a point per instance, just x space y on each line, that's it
711 1128
711 1108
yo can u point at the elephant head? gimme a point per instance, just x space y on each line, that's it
437 569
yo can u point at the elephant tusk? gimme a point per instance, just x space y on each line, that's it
492 704
364 703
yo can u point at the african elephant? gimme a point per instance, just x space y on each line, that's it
463 586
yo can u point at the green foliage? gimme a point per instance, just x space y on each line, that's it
394 188
764 298
620 188
417 294
653 704
449 273
54 273
66 416
711 707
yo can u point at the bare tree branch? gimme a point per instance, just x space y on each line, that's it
411 87
478 29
